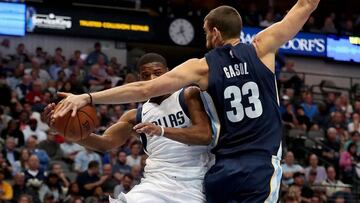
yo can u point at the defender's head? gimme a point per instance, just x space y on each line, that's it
151 66
221 24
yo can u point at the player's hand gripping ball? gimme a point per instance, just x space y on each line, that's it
78 127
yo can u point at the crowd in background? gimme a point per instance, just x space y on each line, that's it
37 163
321 142
336 22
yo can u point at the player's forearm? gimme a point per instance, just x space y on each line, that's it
297 17
310 5
100 143
191 136
273 37
115 136
132 92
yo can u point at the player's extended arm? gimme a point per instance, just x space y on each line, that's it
115 136
272 38
199 133
190 72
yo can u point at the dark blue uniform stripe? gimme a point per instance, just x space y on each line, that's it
138 119
182 103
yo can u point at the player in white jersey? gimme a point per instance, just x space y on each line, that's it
176 134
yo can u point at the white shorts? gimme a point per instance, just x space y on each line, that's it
162 189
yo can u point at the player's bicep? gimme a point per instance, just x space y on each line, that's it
197 112
122 130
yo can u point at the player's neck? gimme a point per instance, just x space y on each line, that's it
232 42
160 99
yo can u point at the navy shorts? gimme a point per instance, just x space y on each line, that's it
244 178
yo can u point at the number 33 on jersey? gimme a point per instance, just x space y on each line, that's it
244 91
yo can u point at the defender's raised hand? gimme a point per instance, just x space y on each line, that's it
72 103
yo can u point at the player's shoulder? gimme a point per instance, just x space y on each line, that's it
191 92
198 64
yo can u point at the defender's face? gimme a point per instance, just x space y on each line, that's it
151 71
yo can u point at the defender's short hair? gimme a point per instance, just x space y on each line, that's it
151 58
93 164
227 20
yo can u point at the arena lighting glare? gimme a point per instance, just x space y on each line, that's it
12 19
342 48
354 40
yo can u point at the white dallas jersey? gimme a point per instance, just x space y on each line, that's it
166 156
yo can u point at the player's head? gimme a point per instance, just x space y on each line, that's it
151 66
221 24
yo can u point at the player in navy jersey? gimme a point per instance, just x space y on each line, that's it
241 87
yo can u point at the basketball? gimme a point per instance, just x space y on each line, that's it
78 127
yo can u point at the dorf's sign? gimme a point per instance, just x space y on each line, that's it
306 44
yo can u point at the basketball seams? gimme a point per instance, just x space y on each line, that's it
77 115
92 120
66 125
69 125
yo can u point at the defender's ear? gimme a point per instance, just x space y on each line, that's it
217 33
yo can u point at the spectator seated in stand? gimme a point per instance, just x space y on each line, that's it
314 166
89 180
332 184
289 168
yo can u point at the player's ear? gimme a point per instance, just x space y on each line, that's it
217 33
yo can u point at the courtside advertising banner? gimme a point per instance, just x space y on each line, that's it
305 44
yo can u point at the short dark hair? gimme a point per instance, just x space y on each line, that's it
135 143
151 58
97 44
351 145
93 164
298 174
355 133
53 165
28 197
131 177
227 20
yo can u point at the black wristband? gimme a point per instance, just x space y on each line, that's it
91 100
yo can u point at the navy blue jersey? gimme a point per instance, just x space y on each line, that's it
245 96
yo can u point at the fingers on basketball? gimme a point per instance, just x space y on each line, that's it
79 126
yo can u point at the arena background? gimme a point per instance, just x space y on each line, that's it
45 47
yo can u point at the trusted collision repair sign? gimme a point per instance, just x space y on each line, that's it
89 23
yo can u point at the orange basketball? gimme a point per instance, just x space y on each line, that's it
78 127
